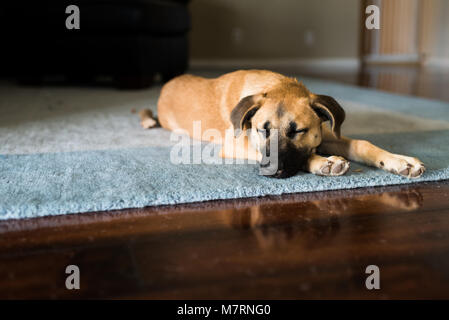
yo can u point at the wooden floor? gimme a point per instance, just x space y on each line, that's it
313 245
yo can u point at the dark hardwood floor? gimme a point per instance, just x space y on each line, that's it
313 245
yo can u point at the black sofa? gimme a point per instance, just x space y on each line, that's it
126 41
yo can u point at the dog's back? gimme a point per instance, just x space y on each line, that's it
189 98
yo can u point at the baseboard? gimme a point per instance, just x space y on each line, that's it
313 64
437 63
392 59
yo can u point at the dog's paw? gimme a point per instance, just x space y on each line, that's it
402 165
147 120
334 166
148 123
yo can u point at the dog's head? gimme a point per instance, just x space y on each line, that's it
291 116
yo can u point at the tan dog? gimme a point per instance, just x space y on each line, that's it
259 102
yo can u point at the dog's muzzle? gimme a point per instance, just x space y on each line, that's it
289 162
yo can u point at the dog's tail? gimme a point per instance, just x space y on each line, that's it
147 120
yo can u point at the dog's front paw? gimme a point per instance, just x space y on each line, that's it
334 166
405 166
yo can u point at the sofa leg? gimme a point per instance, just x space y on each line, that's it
134 82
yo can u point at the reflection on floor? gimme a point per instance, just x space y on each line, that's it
314 245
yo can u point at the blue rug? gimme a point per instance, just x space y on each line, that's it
41 184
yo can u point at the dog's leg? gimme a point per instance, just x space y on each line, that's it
367 153
331 166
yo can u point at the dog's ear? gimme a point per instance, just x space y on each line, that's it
328 109
244 111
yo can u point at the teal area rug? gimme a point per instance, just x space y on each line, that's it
72 169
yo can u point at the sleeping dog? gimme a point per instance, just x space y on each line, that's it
258 104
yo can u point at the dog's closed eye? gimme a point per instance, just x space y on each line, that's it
293 130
